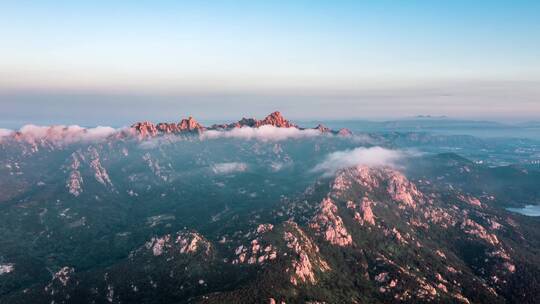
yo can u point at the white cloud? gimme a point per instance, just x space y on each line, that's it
5 133
98 133
362 138
61 134
154 142
374 157
264 133
227 168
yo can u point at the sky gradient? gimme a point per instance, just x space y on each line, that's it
314 59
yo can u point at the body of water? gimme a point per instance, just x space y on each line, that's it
529 210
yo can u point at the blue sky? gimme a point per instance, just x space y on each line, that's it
367 58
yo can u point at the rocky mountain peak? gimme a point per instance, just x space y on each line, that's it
392 182
344 132
148 129
145 128
275 119
189 124
328 223
322 128
184 242
306 259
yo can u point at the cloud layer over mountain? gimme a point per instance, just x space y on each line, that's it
374 156
264 133
60 134
227 168
5 133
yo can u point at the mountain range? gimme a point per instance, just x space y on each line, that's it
258 211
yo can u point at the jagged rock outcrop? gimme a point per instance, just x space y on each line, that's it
244 122
363 212
263 228
189 125
81 160
34 138
344 132
184 242
328 223
471 227
274 119
192 242
147 129
397 187
323 129
75 181
100 173
402 190
382 199
61 280
155 167
306 261
167 128
259 251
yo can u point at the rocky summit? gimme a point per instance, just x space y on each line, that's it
261 211
148 129
273 119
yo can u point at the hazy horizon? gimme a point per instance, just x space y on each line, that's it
464 101
104 63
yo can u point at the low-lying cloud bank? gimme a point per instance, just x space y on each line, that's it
5 133
155 142
264 133
60 134
374 157
227 168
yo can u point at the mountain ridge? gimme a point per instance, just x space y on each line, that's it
53 135
190 219
190 125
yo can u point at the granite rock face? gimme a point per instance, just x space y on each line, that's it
328 223
147 129
273 119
